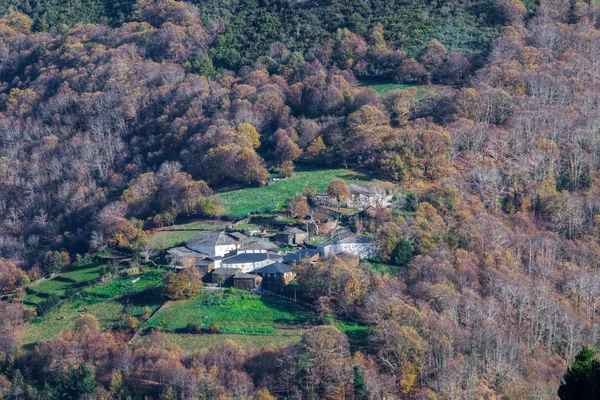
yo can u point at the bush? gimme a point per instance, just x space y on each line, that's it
48 304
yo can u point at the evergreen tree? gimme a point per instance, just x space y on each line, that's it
582 380
403 253
360 386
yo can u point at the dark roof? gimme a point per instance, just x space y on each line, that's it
225 271
237 235
347 239
299 255
204 263
184 252
260 245
367 190
246 258
293 231
275 268
211 239
244 276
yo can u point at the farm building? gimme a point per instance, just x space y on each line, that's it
249 261
244 281
362 197
292 236
182 257
275 276
359 246
223 276
214 243
302 254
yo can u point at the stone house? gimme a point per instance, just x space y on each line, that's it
275 276
244 281
223 276
292 237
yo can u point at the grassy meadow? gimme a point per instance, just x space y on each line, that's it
240 203
110 302
232 311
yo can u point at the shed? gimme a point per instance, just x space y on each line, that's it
246 281
223 276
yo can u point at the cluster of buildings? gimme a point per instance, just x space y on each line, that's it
232 259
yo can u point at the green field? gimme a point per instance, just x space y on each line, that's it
197 342
75 279
232 311
123 286
111 303
240 203
382 87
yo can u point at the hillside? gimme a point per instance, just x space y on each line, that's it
150 123
244 30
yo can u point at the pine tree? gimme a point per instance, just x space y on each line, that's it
582 380
360 386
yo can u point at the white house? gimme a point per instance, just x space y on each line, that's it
213 243
360 246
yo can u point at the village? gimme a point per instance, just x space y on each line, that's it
264 262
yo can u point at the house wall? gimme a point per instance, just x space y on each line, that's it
362 250
274 282
247 267
244 284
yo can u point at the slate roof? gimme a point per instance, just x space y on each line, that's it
204 263
245 258
211 239
237 236
244 276
275 268
352 239
299 255
260 245
293 231
367 190
225 271
184 252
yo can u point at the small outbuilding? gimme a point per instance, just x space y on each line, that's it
224 276
292 237
303 254
246 281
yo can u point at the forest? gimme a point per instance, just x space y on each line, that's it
121 117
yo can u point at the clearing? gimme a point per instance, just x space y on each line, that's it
240 203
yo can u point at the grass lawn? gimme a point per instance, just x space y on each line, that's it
382 87
239 203
194 343
123 286
232 311
167 239
385 269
